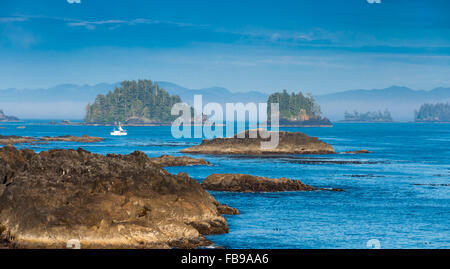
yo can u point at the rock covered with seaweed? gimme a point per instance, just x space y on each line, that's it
113 201
249 183
245 144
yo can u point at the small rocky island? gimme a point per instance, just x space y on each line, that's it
6 118
113 201
142 102
370 116
439 112
14 139
249 183
297 110
289 143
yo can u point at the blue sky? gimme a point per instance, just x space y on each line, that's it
316 46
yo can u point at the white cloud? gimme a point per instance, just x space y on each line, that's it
11 19
74 1
91 25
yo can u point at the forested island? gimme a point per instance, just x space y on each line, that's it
438 112
375 116
134 102
6 118
297 109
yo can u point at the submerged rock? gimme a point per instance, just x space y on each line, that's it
362 151
113 201
168 160
249 183
289 143
70 138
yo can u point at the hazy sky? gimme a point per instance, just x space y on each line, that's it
317 46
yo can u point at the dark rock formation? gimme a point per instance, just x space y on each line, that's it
289 143
358 151
248 183
168 160
113 201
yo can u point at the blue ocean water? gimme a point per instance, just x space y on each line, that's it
395 194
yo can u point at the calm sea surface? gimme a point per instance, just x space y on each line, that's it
395 195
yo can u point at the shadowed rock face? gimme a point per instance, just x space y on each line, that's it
248 183
289 143
113 201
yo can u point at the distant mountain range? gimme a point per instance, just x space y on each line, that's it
400 101
65 101
214 94
68 101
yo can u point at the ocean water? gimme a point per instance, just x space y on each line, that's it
396 195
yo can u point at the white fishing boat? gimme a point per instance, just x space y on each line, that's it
119 131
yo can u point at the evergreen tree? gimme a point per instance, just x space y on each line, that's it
142 99
439 112
291 104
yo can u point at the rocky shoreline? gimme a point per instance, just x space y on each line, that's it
289 143
113 201
122 201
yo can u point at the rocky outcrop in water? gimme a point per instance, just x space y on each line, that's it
289 143
227 210
362 151
113 201
249 183
168 160
71 138
14 139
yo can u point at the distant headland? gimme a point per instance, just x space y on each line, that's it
6 118
438 112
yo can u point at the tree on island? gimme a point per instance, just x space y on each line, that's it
295 107
142 99
438 112
375 116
